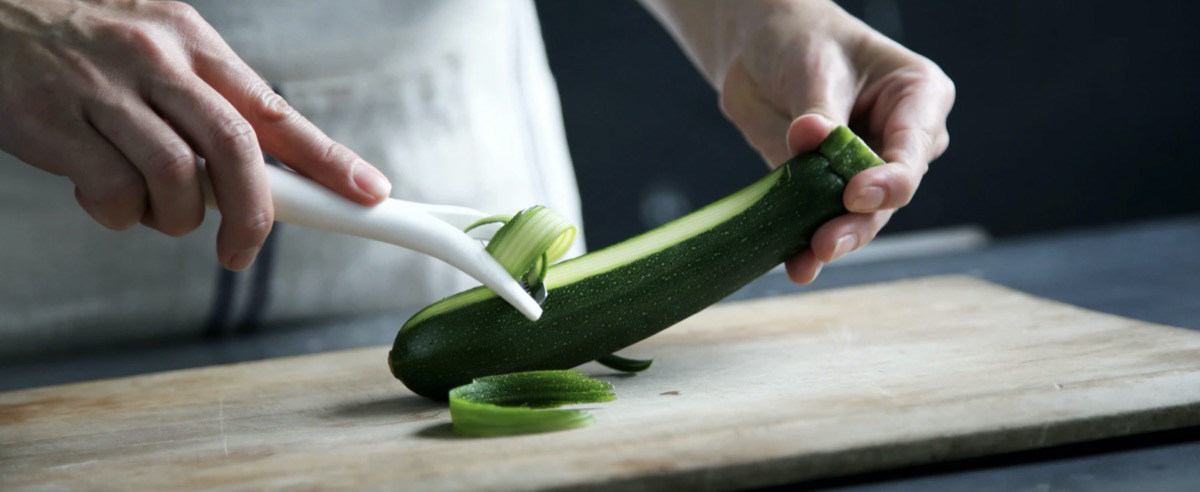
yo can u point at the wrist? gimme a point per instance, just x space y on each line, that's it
715 33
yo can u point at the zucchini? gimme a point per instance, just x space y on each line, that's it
609 299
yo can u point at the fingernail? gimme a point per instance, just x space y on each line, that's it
371 181
845 244
243 259
870 198
817 272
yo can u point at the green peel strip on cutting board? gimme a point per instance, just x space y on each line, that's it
525 402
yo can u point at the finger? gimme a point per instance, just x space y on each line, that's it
913 134
847 233
807 132
915 129
234 163
107 186
803 268
761 123
289 136
164 160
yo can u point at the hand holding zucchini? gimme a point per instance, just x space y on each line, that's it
609 299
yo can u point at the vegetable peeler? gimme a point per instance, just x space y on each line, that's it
434 230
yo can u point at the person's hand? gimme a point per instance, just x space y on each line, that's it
811 68
123 96
790 71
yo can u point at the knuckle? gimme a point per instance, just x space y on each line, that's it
235 135
173 163
949 87
335 153
943 143
145 42
257 223
127 35
178 12
928 69
930 73
934 72
271 106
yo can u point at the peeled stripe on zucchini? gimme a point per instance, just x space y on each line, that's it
609 299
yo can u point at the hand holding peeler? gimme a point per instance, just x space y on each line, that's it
434 230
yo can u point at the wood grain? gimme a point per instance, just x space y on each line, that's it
744 394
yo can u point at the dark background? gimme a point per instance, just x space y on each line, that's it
1069 114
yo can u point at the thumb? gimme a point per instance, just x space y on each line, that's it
808 131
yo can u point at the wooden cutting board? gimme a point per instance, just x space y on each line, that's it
745 394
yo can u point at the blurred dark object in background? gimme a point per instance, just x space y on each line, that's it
1069 114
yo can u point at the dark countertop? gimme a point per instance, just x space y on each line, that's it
1148 271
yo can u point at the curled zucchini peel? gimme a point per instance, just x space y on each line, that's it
529 242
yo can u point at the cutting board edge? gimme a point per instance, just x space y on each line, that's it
883 457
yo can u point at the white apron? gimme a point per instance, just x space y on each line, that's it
452 100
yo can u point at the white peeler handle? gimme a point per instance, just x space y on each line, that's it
435 230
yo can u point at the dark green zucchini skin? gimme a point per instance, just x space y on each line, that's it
606 312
